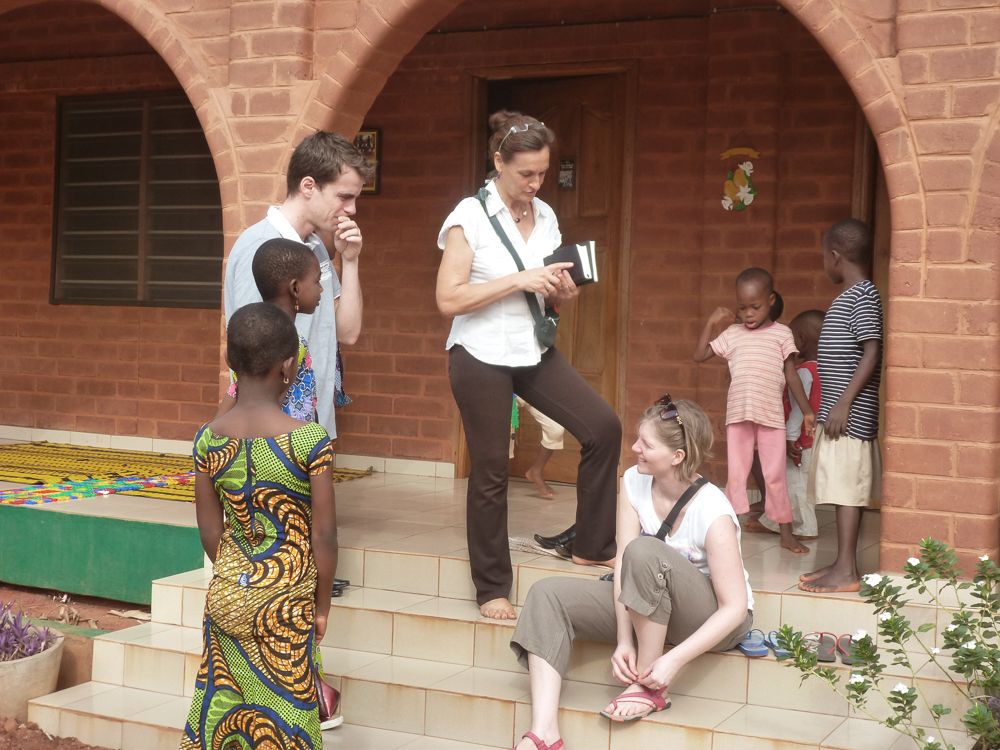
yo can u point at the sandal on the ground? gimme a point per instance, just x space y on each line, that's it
845 647
771 641
660 703
823 644
539 744
754 644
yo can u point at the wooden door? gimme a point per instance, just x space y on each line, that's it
587 114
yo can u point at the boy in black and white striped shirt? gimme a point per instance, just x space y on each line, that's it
846 468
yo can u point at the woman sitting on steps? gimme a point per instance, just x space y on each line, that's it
679 579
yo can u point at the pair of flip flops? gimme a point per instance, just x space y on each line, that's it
757 645
659 703
828 646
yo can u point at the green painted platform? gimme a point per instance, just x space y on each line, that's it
92 555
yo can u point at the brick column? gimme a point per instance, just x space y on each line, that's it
943 386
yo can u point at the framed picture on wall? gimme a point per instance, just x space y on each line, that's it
369 142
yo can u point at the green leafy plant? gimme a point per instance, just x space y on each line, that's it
971 637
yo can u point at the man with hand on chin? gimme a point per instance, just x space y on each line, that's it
325 177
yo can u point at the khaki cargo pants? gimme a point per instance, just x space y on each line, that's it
657 581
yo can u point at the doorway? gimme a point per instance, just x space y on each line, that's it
584 188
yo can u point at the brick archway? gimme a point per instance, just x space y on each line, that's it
189 67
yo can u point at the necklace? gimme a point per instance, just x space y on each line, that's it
517 219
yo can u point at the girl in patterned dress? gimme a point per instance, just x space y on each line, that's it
287 274
267 518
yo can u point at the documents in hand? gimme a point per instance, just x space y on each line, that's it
583 258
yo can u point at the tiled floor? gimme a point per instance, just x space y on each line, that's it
413 515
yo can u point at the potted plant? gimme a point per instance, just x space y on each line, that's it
29 662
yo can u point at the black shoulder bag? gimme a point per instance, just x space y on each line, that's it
668 523
545 325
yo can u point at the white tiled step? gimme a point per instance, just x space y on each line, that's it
180 599
493 707
128 719
153 656
112 716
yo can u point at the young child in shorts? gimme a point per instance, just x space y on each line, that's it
287 275
846 468
761 357
805 331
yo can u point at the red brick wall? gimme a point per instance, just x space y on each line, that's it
701 82
116 370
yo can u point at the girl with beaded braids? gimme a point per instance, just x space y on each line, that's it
267 518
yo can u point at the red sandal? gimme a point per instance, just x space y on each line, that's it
660 703
541 745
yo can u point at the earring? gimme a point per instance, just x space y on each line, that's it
286 381
296 304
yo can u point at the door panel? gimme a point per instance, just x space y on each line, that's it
587 114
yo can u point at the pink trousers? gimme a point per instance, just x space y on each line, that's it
740 438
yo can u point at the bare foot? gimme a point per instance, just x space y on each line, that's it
536 477
789 542
580 561
756 527
757 507
832 583
816 574
805 538
498 609
634 704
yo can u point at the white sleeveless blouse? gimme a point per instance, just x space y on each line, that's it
689 537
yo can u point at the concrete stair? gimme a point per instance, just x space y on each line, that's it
419 667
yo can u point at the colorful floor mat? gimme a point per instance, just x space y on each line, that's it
73 472
87 488
53 463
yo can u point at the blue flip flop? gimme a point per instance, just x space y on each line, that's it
754 644
772 642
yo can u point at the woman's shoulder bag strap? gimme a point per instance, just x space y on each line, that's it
536 313
668 523
545 325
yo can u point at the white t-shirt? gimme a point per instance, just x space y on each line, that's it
688 538
502 333
319 328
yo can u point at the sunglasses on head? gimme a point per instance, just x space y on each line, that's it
521 129
669 411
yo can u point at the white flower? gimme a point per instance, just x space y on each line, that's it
935 651
984 558
727 203
930 740
872 579
859 635
901 688
856 679
747 167
971 645
952 627
885 616
745 195
913 561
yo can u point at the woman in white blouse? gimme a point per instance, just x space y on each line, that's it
494 353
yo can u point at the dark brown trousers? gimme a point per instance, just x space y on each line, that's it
484 394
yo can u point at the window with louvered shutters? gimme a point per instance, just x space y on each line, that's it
138 217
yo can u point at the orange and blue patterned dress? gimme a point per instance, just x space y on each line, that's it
256 686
